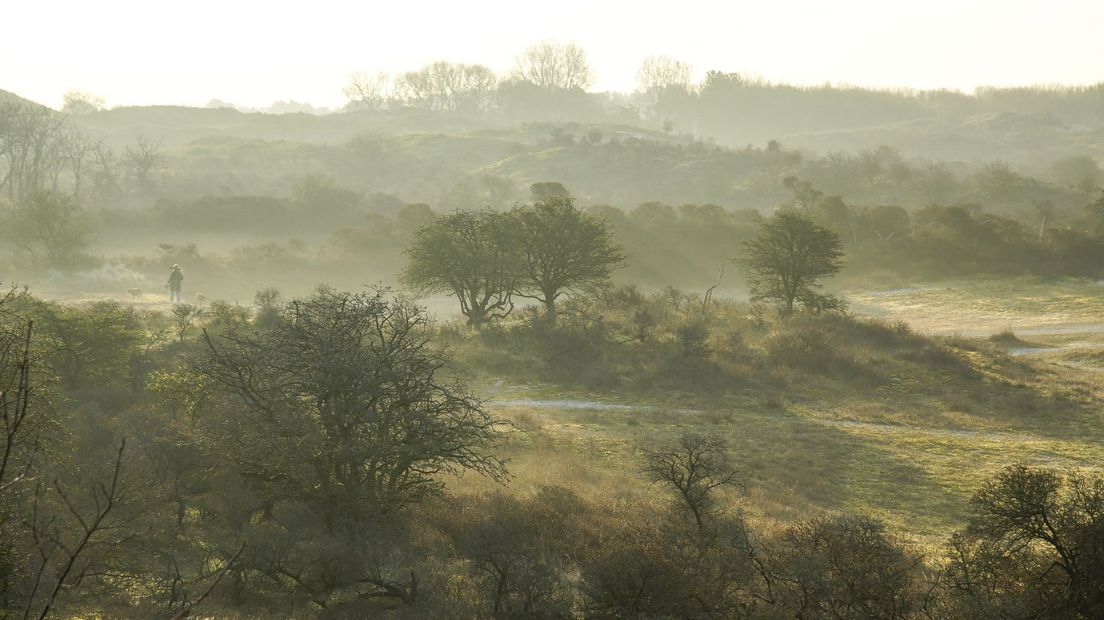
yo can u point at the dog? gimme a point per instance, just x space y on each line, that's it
201 300
135 293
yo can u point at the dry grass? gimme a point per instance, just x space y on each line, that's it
909 445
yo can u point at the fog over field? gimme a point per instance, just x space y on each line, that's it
574 310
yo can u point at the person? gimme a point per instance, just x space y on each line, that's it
176 276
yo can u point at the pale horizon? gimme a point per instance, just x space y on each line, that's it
252 54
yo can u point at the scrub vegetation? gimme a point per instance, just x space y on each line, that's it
494 346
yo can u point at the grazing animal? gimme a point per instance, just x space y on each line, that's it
135 293
201 300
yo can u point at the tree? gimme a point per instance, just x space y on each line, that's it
695 467
183 316
845 567
69 539
547 190
80 103
554 66
340 405
470 255
49 225
787 257
140 161
447 86
367 91
92 344
659 75
805 196
520 550
1035 542
562 250
33 148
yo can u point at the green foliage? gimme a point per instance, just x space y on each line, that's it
471 255
49 226
788 257
94 345
563 250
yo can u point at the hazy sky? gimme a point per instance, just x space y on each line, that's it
253 52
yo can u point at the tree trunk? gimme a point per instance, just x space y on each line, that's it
550 309
476 319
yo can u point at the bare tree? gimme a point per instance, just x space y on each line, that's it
140 160
367 90
211 579
15 396
659 75
447 86
553 66
68 541
32 148
77 150
695 467
105 173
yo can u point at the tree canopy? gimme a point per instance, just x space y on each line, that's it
470 255
563 249
341 405
788 257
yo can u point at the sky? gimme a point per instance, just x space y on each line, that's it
255 52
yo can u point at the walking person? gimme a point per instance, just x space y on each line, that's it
176 277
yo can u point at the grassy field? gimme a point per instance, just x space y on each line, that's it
984 307
910 451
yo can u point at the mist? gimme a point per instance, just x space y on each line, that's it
506 311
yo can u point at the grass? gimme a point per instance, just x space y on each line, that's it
983 307
853 457
909 446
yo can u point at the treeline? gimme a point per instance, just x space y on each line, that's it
551 79
291 458
327 233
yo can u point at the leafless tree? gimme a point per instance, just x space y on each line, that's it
695 467
105 173
15 396
210 579
32 148
140 160
77 149
553 66
662 74
68 541
368 91
447 86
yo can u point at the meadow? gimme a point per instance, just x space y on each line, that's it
911 449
